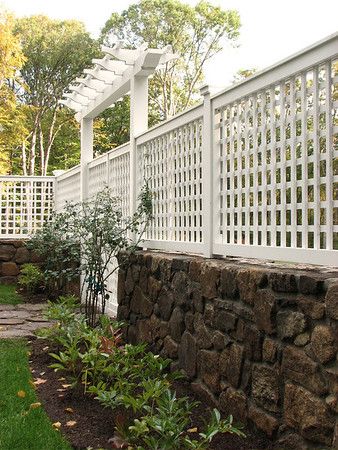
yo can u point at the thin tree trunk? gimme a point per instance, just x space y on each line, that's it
24 158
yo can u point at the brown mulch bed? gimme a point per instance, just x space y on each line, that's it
94 424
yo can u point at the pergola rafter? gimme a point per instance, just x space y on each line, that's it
111 77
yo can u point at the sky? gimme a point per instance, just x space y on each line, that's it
271 30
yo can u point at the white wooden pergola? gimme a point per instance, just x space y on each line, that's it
119 72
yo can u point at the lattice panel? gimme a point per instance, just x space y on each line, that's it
172 164
277 166
97 176
68 188
25 205
119 180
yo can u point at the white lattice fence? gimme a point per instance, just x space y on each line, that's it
67 188
170 159
25 204
276 166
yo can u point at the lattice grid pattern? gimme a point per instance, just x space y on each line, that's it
277 165
68 188
25 205
119 180
97 177
172 164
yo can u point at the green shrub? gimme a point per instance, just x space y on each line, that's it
31 278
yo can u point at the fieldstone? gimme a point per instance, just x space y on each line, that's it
136 300
180 263
331 301
129 283
121 286
144 331
5 307
187 354
143 280
290 323
203 336
37 319
15 333
248 282
283 282
297 366
270 349
195 268
234 402
9 269
170 348
252 343
219 340
308 414
263 420
8 280
176 324
204 394
35 258
208 368
146 306
180 287
189 321
331 374
135 270
291 441
311 306
22 255
323 343
335 436
265 310
7 252
165 270
228 283
122 312
11 321
231 362
225 321
309 284
265 387
209 314
154 288
33 306
209 280
165 303
332 402
197 300
302 339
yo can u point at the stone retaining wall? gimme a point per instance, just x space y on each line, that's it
258 341
13 253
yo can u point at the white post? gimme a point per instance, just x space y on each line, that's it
138 124
86 155
207 173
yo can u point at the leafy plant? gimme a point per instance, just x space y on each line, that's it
31 278
84 238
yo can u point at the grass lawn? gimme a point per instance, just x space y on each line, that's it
8 295
23 425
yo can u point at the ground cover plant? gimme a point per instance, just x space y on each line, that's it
128 379
9 296
23 422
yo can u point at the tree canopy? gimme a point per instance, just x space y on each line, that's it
56 51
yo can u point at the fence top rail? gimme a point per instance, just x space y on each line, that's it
180 119
286 68
72 171
25 178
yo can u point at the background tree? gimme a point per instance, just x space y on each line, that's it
56 52
196 34
243 74
12 127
